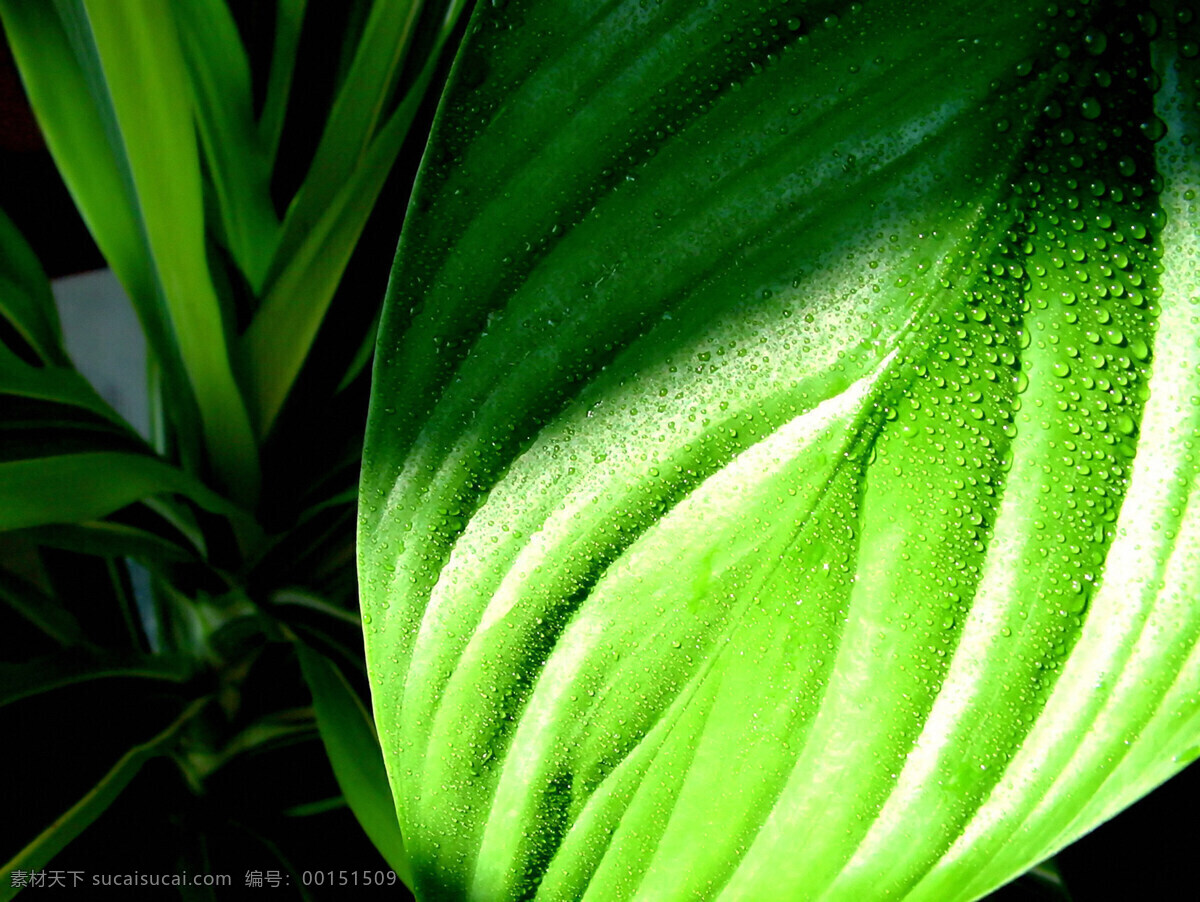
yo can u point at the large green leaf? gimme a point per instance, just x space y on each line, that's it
780 474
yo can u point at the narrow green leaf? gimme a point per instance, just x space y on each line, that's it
361 357
328 215
25 298
313 603
1047 880
40 609
182 519
143 66
81 133
281 333
289 20
54 383
137 630
106 538
777 399
353 122
353 750
79 817
61 68
72 488
346 655
271 732
320 807
237 161
62 75
18 681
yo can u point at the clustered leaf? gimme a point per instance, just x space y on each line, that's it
226 158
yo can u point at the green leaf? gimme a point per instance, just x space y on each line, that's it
277 341
107 538
40 608
319 807
72 488
354 121
361 357
329 212
18 681
57 384
219 71
63 78
353 750
142 62
111 91
781 473
80 131
312 602
289 21
79 817
25 298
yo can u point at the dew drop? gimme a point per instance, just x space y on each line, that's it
1095 41
1153 128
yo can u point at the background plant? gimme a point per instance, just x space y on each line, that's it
180 608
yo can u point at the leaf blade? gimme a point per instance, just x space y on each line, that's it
139 52
49 673
219 70
653 485
70 488
25 298
353 750
41 850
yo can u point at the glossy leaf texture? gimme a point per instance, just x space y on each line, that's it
781 474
